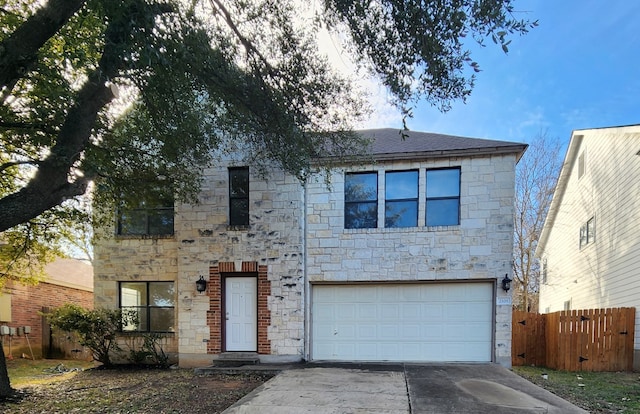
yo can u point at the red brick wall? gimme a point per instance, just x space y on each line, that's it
214 315
27 303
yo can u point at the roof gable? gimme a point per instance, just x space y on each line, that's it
570 158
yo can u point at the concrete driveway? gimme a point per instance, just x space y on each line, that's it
409 388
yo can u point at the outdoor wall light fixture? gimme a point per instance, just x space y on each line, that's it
201 284
506 283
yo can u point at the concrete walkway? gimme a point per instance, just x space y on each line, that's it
414 389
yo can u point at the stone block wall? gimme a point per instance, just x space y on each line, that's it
273 241
480 248
203 240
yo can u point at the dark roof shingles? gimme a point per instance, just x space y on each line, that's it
390 141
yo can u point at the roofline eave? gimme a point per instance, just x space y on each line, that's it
420 155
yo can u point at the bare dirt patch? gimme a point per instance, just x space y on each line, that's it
136 391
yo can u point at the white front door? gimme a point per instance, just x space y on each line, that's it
241 312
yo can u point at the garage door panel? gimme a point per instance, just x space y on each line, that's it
367 332
367 311
389 311
366 294
426 322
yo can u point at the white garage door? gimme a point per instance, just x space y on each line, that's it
403 322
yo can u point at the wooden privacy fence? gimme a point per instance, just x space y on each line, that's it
577 340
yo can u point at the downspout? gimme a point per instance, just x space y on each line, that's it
305 280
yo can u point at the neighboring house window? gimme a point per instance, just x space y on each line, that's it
5 307
581 165
401 199
153 302
547 309
361 200
443 197
544 272
147 219
567 305
239 196
588 232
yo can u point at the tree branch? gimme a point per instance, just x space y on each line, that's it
10 164
19 51
248 45
27 126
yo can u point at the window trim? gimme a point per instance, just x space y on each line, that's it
148 307
427 198
588 232
375 201
415 199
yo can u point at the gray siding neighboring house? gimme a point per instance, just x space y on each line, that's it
589 246
400 259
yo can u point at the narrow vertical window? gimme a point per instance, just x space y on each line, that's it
239 196
588 232
361 200
581 165
443 197
543 272
401 199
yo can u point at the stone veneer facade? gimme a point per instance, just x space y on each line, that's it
271 248
288 253
480 248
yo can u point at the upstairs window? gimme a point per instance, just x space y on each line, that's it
582 166
361 200
588 232
148 219
443 197
153 304
239 196
401 199
543 272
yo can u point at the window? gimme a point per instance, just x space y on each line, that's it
147 219
581 165
543 272
5 307
443 197
361 200
401 199
567 305
239 196
588 232
152 302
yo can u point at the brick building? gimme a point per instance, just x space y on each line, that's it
400 259
67 281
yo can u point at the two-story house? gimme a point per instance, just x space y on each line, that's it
401 257
588 249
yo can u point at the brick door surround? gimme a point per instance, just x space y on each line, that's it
215 312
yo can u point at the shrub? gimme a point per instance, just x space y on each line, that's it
96 329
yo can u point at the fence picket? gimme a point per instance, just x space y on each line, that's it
578 340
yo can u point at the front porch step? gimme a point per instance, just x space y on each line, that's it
236 359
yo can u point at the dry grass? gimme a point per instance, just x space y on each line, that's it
129 390
596 392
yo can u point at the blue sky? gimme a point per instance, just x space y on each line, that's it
580 68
